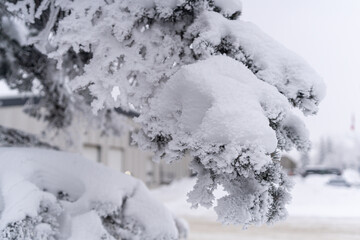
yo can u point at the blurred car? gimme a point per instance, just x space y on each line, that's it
321 171
338 182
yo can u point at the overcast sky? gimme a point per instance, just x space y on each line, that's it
327 34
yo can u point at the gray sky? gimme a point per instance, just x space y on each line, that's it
327 34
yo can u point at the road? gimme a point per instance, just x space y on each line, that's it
291 229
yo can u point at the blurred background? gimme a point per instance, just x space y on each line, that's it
326 193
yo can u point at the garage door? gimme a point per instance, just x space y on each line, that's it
92 152
115 159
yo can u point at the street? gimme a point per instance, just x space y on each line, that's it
291 229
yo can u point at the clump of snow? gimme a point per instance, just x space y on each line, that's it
229 8
270 61
293 132
210 98
55 195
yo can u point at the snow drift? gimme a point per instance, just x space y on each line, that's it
55 195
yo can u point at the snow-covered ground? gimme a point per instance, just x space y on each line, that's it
311 198
317 211
5 91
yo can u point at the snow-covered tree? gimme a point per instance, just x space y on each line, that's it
341 151
330 153
27 69
48 195
322 152
203 81
13 137
304 160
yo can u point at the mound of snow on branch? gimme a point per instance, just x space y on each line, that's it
55 195
209 104
210 99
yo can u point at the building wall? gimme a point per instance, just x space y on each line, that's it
115 152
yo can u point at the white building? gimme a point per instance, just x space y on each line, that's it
114 152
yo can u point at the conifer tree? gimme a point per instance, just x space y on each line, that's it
204 82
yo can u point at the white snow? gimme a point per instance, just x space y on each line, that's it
86 226
352 176
5 91
273 63
311 198
229 7
211 97
74 198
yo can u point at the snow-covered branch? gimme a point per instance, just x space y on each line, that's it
16 138
204 82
